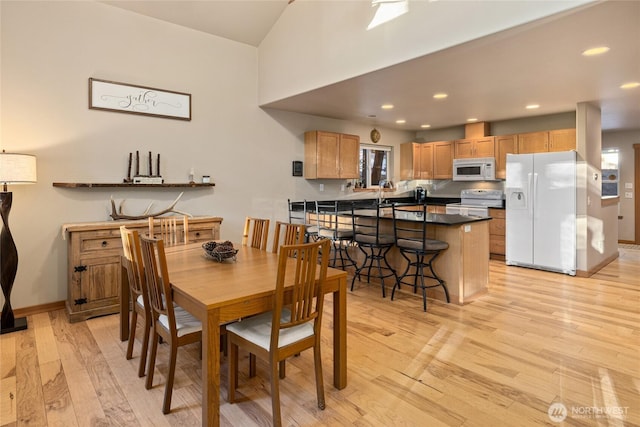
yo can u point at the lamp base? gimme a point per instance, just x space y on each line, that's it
19 324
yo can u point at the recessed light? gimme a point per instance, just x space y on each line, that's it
532 106
425 126
401 121
472 119
441 95
387 106
598 50
630 85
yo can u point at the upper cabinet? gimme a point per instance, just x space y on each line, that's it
562 140
416 161
474 148
331 155
443 159
542 142
429 160
504 144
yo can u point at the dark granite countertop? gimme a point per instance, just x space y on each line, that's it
431 218
371 203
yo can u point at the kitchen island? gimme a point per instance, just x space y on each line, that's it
464 266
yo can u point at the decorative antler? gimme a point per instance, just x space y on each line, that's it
118 215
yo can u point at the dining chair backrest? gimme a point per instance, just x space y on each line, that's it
258 230
307 295
171 230
158 284
132 262
292 234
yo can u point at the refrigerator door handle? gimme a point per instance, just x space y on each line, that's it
530 193
534 194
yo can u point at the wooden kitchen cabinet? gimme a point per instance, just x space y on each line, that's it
562 140
504 144
497 227
331 155
474 148
442 160
416 161
94 272
533 142
543 142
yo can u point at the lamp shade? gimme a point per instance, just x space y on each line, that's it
17 168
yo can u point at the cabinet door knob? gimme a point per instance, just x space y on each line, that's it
104 243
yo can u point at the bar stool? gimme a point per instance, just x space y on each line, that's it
374 245
299 214
411 239
331 225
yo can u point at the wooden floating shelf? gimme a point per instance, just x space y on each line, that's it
129 185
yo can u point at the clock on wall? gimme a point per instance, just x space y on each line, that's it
375 135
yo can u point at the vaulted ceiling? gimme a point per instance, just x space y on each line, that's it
492 78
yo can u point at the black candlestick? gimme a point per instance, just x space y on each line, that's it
8 268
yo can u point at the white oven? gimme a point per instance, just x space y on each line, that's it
481 169
476 202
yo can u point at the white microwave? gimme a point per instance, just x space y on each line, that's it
480 169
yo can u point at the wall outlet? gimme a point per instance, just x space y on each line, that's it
343 187
628 185
321 187
628 195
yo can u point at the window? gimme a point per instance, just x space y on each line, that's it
374 165
610 172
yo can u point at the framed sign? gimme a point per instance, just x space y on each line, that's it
125 98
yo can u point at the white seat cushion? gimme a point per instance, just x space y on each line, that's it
257 329
185 322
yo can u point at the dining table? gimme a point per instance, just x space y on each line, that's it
217 292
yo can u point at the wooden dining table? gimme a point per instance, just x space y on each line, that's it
219 292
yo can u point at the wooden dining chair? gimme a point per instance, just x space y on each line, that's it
258 229
172 323
172 230
132 263
292 234
289 328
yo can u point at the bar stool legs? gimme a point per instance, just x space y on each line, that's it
419 266
341 258
375 256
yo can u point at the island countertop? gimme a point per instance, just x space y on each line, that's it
431 218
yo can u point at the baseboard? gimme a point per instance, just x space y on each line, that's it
36 309
594 270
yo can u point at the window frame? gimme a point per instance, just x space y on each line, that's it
365 150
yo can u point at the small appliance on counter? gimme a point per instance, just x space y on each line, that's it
420 195
476 202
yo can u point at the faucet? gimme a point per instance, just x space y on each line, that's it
381 185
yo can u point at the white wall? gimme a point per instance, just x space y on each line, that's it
623 141
323 42
48 52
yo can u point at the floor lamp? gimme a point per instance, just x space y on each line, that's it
14 169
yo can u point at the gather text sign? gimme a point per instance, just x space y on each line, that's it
126 98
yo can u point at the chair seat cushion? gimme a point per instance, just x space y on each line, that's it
311 229
257 329
185 322
416 245
383 239
340 234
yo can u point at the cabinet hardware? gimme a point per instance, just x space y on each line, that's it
80 301
79 268
104 243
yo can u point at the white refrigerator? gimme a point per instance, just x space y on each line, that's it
540 200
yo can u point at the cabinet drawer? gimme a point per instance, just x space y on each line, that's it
201 235
103 241
497 213
497 245
497 227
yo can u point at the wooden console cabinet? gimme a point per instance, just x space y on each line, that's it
94 271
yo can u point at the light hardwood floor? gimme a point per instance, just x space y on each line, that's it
535 339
